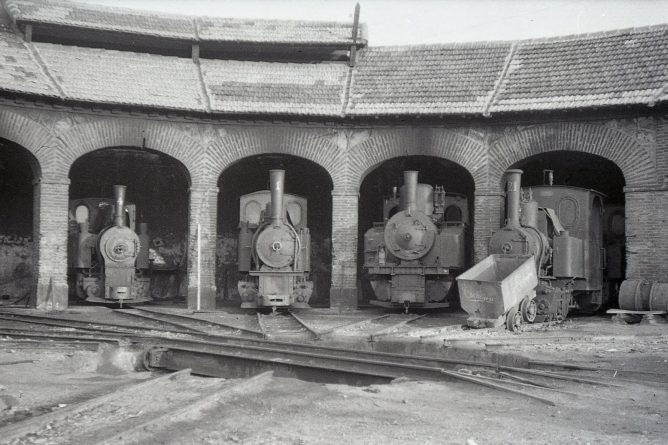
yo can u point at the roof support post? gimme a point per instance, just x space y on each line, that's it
27 33
195 52
353 47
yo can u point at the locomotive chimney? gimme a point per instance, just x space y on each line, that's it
410 184
119 207
513 181
276 180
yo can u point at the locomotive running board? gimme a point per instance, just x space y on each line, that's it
389 304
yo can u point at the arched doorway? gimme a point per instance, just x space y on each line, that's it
378 185
18 171
157 185
584 170
304 178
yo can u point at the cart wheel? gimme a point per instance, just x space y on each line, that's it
528 309
514 320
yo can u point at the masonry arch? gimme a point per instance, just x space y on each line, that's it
315 145
32 136
461 149
158 184
379 184
168 139
635 163
19 171
303 177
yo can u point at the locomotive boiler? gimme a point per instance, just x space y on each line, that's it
559 228
274 252
108 258
410 258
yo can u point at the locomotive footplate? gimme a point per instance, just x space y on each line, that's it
406 270
394 304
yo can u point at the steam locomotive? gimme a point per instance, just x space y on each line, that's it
412 257
108 259
561 229
274 252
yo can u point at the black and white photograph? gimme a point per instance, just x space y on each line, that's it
333 222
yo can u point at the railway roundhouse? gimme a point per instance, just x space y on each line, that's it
191 113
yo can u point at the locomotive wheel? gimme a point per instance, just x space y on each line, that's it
514 320
528 308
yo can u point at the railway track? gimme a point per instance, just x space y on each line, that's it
130 414
234 356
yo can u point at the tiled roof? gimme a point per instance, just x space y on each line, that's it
125 78
621 67
262 87
19 70
602 69
626 67
274 31
99 17
439 79
153 23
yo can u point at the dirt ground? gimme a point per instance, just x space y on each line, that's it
38 378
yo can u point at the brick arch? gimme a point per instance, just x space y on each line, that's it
34 137
167 139
441 143
290 141
633 160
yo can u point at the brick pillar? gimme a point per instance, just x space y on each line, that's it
50 241
343 293
646 234
203 214
487 218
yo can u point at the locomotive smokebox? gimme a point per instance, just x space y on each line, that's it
410 186
119 206
277 181
514 182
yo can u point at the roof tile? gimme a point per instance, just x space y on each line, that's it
620 67
180 26
437 79
19 71
256 87
125 78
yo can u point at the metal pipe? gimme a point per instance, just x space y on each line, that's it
514 182
410 187
276 181
119 207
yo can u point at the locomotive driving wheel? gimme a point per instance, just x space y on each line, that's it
514 319
528 308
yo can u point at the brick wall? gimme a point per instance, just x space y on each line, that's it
647 235
647 218
51 204
344 249
487 218
57 139
203 211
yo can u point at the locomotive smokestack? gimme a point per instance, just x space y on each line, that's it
119 207
514 182
276 180
410 184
